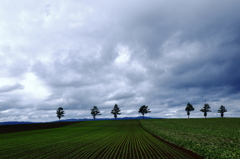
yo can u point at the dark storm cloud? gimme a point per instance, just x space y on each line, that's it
177 47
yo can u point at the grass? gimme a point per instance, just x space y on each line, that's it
92 139
211 138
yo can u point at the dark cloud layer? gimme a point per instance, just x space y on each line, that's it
78 54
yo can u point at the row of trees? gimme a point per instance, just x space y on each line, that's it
206 108
115 111
144 110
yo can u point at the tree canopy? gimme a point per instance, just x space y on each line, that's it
60 113
95 111
144 110
222 110
205 109
189 108
116 111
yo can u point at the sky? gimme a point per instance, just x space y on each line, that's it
79 54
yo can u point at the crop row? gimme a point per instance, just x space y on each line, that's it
47 141
102 139
210 138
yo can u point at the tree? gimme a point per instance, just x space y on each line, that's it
189 108
222 110
205 109
95 111
60 113
116 111
144 110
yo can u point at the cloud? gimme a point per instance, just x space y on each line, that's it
78 54
122 95
9 88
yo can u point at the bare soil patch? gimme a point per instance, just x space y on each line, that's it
28 127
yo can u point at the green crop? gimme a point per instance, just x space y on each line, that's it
211 138
99 139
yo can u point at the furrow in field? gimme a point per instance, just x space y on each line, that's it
157 148
108 149
111 149
96 146
40 140
87 148
28 146
173 150
99 144
141 145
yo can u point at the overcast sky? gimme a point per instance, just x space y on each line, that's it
77 54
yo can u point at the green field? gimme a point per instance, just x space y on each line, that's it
93 139
211 138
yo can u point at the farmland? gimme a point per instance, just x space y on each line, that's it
210 138
92 139
28 127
